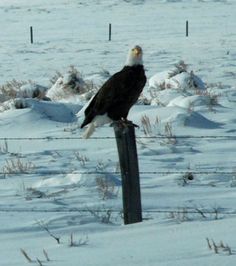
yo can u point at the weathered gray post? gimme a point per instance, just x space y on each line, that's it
31 35
126 145
109 32
186 28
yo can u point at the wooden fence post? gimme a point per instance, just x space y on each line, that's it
126 145
31 35
109 31
186 28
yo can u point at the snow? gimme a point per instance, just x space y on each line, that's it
50 177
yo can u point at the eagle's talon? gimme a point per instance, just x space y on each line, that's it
128 122
123 123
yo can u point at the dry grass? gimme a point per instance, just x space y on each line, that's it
106 188
4 148
45 227
146 125
17 166
25 254
182 215
104 216
219 248
213 97
156 128
170 137
184 180
55 77
37 260
83 159
150 129
71 84
190 214
81 242
10 89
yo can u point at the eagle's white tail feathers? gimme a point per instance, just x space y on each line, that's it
98 121
89 130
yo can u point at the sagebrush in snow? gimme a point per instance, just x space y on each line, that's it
104 216
10 89
4 147
81 242
69 85
106 187
17 166
83 159
219 248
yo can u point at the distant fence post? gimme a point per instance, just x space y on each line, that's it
186 28
31 35
126 145
109 31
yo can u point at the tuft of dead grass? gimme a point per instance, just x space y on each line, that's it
106 188
10 89
17 166
70 84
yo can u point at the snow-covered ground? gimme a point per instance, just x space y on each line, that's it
52 179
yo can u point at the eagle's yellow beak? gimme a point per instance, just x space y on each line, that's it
136 51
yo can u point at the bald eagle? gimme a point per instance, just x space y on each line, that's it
117 95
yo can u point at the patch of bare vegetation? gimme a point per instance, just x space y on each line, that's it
102 215
44 226
213 98
36 260
4 147
186 178
10 89
14 93
146 125
69 84
191 214
106 187
219 248
17 166
180 67
156 129
83 241
83 159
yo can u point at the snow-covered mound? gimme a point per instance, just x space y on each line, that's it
178 87
192 119
32 90
189 102
71 86
14 94
55 111
176 78
98 77
76 179
60 112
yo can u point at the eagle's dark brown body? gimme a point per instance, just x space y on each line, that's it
117 95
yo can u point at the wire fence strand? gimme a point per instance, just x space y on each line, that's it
180 210
97 172
50 138
60 172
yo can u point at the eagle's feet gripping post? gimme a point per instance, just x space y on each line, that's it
124 123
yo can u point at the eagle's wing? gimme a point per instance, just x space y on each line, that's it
109 94
113 90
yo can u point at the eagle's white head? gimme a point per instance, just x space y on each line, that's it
135 56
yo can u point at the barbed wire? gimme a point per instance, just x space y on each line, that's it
60 172
50 138
189 210
163 211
